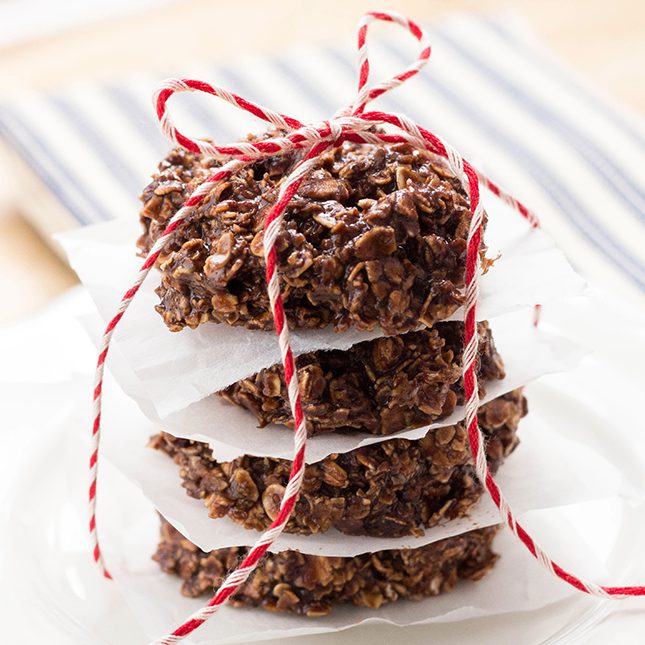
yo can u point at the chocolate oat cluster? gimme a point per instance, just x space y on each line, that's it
376 236
374 239
380 386
388 489
310 585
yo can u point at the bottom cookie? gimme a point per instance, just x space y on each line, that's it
311 585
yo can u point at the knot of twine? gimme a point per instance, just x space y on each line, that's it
352 123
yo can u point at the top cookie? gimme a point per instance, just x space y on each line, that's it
375 236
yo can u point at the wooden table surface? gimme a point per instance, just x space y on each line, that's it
603 40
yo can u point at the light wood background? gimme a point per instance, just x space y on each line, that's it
604 40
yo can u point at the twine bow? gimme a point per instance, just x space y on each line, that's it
352 123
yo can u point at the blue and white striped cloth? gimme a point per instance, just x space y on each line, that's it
490 89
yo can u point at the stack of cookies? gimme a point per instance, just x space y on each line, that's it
374 240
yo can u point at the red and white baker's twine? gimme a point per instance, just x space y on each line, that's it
353 124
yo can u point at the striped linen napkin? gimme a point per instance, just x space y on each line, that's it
490 89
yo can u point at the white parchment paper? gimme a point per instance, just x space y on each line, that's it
516 584
182 368
546 470
231 430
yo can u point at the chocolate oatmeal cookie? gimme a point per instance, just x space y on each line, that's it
380 386
388 489
376 235
310 585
